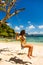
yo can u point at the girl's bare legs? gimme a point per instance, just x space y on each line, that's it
30 50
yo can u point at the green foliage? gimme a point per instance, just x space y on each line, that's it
6 31
2 8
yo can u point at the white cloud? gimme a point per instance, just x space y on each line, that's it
31 27
29 22
33 32
27 29
21 26
8 24
41 32
40 27
16 28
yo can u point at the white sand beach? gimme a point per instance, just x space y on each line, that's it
12 54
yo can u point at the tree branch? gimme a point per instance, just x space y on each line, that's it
10 6
8 11
10 15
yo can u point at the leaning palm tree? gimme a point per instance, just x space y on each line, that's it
6 6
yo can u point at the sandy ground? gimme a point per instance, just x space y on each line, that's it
12 54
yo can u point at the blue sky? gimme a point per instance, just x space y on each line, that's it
31 19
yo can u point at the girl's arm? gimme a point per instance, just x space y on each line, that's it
17 36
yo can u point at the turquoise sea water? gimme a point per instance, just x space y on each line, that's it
35 39
28 39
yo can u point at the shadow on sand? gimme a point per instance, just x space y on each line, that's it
21 53
17 60
4 50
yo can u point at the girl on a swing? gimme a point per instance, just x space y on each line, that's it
22 39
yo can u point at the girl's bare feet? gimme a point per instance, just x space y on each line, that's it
29 56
